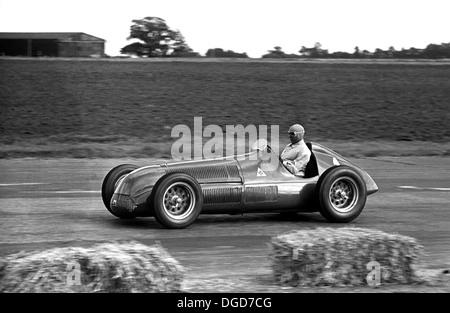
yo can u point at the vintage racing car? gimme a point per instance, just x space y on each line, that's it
176 193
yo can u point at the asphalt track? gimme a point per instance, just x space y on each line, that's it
57 202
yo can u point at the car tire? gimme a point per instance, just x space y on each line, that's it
110 183
177 200
342 194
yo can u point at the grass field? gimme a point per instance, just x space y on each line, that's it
102 108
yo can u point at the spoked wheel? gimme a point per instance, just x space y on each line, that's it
342 194
177 200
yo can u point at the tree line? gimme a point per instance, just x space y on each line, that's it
432 51
154 38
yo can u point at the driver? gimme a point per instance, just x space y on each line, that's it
296 155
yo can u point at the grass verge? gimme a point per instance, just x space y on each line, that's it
123 146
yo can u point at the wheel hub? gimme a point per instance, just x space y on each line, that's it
342 195
177 200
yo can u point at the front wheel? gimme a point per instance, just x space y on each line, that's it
177 200
342 194
110 183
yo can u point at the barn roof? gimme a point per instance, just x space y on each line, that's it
51 36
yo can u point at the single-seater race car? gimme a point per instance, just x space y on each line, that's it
176 193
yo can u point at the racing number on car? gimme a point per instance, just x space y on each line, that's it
260 173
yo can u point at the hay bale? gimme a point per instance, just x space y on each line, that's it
341 257
106 267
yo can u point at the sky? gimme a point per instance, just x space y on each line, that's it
251 26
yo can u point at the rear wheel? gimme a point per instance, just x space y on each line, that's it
342 194
177 200
110 183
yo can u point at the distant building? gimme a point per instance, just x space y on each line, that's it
51 45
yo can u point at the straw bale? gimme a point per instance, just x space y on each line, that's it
341 257
106 267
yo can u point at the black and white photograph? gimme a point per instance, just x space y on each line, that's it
231 154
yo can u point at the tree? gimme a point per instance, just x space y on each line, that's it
434 51
278 50
278 53
357 53
316 52
220 53
156 39
136 48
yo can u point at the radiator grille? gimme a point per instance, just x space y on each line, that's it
225 172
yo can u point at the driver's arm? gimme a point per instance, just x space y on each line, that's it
297 166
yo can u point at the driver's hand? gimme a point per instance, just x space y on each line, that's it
289 165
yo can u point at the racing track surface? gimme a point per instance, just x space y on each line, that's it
50 203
